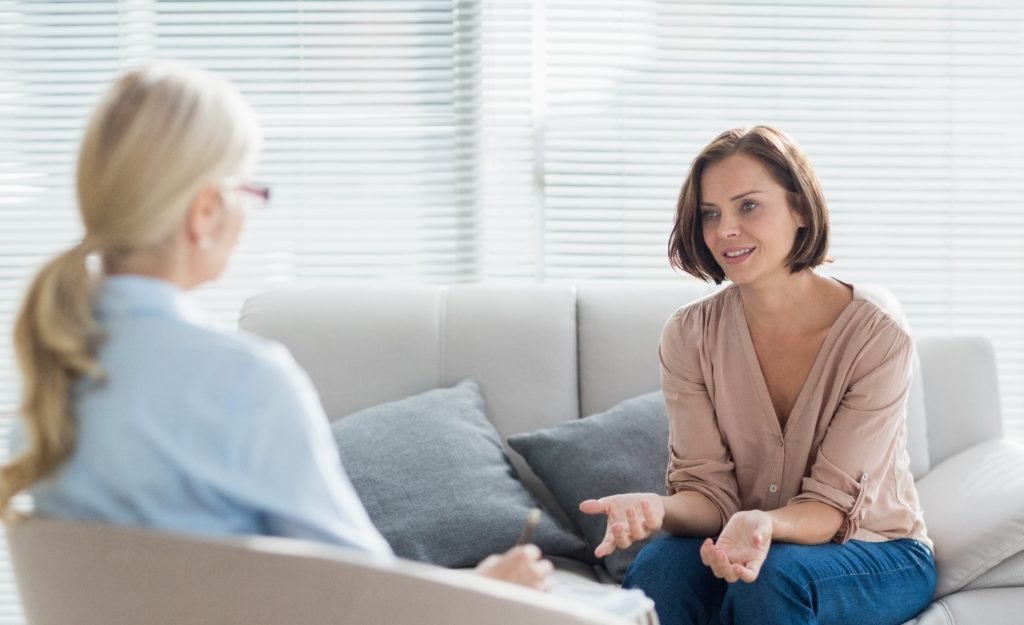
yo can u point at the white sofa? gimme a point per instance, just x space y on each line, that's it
545 353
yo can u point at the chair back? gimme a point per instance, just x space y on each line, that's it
93 574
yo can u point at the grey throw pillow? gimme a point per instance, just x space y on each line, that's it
623 450
437 483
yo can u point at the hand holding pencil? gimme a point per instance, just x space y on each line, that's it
522 564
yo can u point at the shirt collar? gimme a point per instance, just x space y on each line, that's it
131 295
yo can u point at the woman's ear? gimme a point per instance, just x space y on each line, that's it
798 217
203 217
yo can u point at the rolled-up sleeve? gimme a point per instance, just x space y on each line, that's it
699 460
862 438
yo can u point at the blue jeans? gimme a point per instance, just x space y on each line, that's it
857 583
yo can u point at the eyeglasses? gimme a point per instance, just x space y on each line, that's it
259 195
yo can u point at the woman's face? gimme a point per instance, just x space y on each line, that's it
747 222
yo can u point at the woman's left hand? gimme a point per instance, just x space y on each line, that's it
741 548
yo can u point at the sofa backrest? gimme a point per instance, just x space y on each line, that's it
365 345
546 353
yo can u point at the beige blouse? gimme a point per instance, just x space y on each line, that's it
844 444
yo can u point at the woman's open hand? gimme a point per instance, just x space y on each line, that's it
741 548
519 565
631 517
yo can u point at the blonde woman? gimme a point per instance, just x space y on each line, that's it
136 410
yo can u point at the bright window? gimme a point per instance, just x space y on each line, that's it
454 140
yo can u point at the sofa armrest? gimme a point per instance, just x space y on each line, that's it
974 511
95 574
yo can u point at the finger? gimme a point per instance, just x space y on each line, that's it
755 567
705 552
717 561
722 566
540 572
529 551
488 561
636 528
622 539
744 573
592 506
650 524
710 557
607 545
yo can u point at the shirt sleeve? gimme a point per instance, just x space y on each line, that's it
862 437
699 459
287 464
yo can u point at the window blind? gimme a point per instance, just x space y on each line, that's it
369 113
912 114
459 140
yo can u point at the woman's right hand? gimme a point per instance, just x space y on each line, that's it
631 517
522 565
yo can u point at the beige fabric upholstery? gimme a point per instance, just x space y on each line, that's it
619 329
364 345
1007 574
353 333
974 506
996 606
961 389
89 574
519 342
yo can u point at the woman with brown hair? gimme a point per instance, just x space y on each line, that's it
790 494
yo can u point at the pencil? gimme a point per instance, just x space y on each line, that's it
531 522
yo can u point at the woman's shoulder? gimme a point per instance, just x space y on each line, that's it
240 358
259 378
695 330
877 331
703 315
879 312
268 357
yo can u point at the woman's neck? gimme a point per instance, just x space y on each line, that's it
789 300
155 262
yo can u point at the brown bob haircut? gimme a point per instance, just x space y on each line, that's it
787 164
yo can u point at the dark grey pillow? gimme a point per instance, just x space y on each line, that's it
623 450
437 483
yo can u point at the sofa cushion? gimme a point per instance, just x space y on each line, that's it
433 476
619 451
991 606
974 511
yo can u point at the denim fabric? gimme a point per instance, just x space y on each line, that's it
857 583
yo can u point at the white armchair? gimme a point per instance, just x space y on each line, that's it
92 574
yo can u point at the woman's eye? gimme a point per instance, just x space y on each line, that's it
709 214
748 206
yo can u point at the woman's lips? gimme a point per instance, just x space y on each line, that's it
736 255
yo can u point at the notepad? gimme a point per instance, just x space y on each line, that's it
630 604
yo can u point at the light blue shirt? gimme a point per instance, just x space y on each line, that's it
199 431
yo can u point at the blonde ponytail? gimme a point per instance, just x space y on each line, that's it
55 338
160 134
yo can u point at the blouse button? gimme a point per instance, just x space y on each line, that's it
773 489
